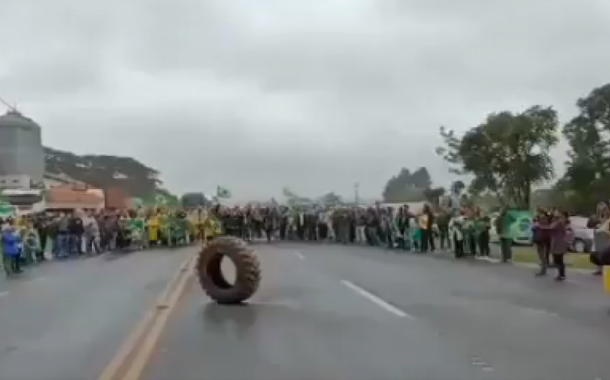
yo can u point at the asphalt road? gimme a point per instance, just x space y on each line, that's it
66 320
335 312
323 312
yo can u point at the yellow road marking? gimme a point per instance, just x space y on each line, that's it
145 350
129 346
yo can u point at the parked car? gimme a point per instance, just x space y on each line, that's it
583 235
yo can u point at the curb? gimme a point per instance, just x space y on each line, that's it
492 260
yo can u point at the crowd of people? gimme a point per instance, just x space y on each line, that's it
465 232
35 238
396 228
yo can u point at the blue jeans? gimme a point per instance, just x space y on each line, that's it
75 244
61 248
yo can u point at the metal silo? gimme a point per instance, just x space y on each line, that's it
21 150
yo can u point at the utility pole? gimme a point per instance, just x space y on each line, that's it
356 194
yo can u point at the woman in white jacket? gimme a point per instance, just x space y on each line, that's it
455 232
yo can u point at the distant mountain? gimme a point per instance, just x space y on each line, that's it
103 171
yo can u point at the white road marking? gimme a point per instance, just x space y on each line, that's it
481 364
537 311
4 293
299 255
377 301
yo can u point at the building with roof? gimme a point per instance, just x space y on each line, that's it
71 197
115 198
24 201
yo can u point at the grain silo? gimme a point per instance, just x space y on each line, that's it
21 150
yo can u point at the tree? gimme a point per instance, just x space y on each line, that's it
433 195
587 177
420 179
457 187
288 193
407 186
104 171
507 154
193 200
330 199
292 199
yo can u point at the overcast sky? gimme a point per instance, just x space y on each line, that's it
311 94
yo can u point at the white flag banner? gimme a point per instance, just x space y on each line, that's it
222 192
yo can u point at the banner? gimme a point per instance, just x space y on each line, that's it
7 210
519 226
221 192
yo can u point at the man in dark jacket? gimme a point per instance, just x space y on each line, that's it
542 240
502 226
76 230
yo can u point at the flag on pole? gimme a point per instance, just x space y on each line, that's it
221 192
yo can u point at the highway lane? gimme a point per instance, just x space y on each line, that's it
521 326
336 312
65 320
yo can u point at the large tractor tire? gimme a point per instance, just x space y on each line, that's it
213 281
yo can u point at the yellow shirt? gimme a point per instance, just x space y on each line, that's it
423 222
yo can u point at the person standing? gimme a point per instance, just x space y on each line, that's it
343 224
405 228
601 241
75 233
63 236
470 238
360 220
506 241
41 226
482 227
426 222
372 223
10 249
542 240
457 235
443 230
559 242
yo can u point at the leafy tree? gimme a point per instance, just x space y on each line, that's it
407 186
288 193
507 154
420 179
192 200
292 199
545 198
457 187
104 171
330 199
433 195
587 177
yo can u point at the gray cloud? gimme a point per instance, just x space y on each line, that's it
314 95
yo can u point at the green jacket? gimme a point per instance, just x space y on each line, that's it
503 226
480 226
